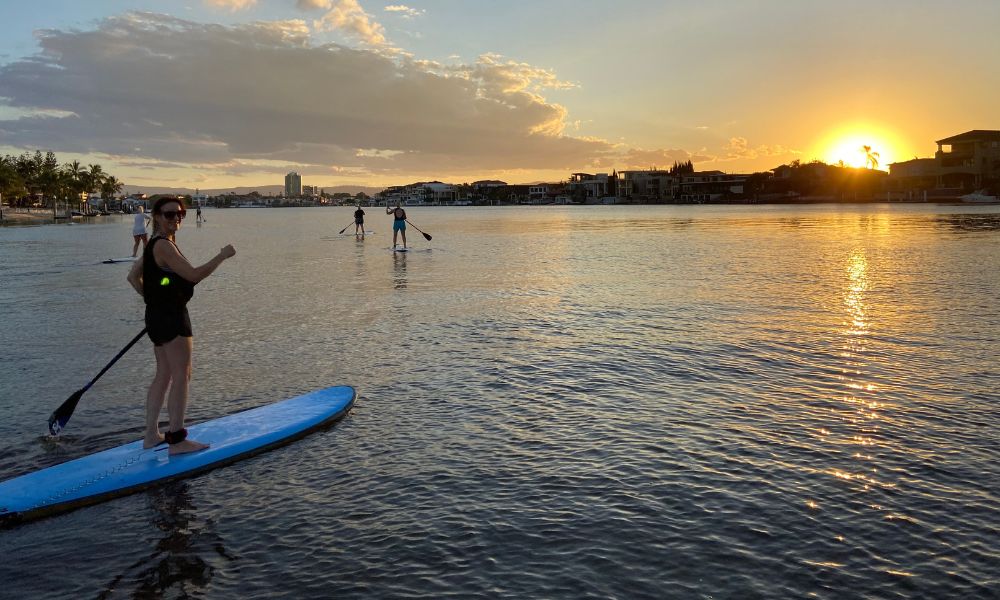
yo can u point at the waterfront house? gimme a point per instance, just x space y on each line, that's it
710 186
649 186
909 178
438 193
964 162
968 160
592 189
538 193
485 185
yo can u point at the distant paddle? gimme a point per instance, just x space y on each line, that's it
59 418
345 228
427 236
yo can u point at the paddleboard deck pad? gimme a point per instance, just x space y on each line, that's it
130 468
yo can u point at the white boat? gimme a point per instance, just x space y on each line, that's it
979 197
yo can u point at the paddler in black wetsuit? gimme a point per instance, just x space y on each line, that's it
359 222
165 279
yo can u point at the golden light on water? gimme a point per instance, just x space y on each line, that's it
854 299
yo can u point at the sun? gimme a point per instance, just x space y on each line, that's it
847 146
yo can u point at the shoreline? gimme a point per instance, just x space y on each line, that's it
24 219
10 217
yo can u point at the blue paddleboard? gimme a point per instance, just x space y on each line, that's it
129 468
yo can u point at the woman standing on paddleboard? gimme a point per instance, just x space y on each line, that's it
139 230
398 223
165 280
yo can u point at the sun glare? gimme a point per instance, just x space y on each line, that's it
858 147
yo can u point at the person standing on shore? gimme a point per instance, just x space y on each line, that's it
398 223
165 280
359 222
139 230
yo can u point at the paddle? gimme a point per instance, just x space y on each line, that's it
345 228
62 414
427 236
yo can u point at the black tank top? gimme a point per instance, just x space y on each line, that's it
161 287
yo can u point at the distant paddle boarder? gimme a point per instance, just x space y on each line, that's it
139 230
359 222
165 280
398 223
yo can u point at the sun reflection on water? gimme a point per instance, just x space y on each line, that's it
857 328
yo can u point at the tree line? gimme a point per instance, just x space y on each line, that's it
30 179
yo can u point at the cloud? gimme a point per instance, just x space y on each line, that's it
404 11
739 148
227 98
313 4
347 15
233 5
637 158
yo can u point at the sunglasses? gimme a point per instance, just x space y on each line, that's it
170 215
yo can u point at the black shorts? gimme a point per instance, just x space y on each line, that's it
358 221
164 323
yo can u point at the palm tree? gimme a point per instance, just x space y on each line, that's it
76 177
94 178
11 185
49 176
871 158
110 188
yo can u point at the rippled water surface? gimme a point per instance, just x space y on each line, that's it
599 402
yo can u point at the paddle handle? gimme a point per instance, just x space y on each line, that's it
134 341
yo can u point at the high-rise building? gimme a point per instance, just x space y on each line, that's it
293 185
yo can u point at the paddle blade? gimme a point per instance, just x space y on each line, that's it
344 229
427 236
61 415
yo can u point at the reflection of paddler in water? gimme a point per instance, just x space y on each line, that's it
182 559
165 280
359 222
399 270
398 223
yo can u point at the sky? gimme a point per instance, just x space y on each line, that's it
225 93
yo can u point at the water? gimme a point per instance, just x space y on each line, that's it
605 402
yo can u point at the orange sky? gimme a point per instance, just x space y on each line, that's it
348 92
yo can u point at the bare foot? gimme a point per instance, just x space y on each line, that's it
150 442
186 446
